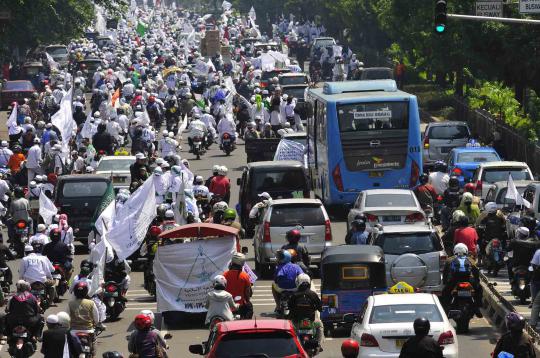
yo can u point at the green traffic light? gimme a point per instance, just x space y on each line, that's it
440 28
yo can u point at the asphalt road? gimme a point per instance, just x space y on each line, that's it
479 342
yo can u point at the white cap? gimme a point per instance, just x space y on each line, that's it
52 319
140 156
89 169
41 227
265 195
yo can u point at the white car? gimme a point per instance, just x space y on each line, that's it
116 168
491 172
385 323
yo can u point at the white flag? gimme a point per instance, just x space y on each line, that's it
252 15
63 120
512 193
98 273
47 210
52 63
226 6
131 221
12 120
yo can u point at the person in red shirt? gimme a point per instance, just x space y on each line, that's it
425 193
239 285
467 235
221 185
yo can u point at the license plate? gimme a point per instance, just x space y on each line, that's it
392 218
304 238
400 342
226 141
56 276
378 174
304 331
113 294
464 294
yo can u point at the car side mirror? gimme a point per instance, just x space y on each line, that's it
245 250
196 349
238 181
349 318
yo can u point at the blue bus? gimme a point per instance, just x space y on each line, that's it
362 135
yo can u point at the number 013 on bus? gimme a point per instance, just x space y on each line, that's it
362 135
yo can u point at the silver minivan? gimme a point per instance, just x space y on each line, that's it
413 254
282 215
441 137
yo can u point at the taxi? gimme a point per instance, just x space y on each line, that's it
386 321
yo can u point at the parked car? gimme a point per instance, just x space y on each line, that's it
387 207
78 196
462 162
117 169
293 78
413 254
441 137
377 73
15 91
281 179
251 338
492 172
497 193
386 323
282 215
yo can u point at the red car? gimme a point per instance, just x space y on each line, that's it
15 91
251 338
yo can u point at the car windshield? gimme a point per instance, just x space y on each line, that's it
114 165
402 243
324 42
477 157
293 80
56 51
385 200
281 180
296 92
448 132
18 86
291 215
404 313
255 344
492 175
84 189
508 202
377 117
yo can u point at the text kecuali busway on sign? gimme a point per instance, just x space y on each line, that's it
529 6
493 8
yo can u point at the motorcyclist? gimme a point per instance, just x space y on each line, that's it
19 210
57 251
421 345
284 275
468 206
215 169
171 111
302 255
357 235
459 268
350 348
221 185
37 268
251 132
23 309
304 304
146 341
515 341
438 178
521 250
219 302
218 211
425 193
83 312
239 284
226 125
467 235
169 222
196 128
116 270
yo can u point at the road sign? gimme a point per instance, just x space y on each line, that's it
489 8
529 6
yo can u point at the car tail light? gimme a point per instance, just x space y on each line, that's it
327 231
367 340
478 188
336 175
21 224
426 142
329 300
56 267
415 174
464 286
226 136
111 288
446 338
442 261
414 217
457 172
371 217
155 231
266 237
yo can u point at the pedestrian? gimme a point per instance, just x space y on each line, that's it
400 73
57 341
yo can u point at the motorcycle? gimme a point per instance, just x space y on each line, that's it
307 335
39 290
60 281
87 340
21 237
198 148
202 205
520 284
21 343
227 144
283 305
111 298
218 319
494 257
462 306
209 140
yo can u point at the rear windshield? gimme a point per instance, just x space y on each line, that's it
404 313
114 165
492 175
416 243
18 86
266 75
284 180
354 276
260 344
296 92
477 157
378 116
448 132
91 65
384 200
293 80
84 188
56 51
324 42
291 215
502 193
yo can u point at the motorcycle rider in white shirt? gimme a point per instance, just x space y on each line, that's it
196 128
226 125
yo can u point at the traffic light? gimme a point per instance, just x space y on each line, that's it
440 16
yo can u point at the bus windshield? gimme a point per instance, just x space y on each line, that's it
376 117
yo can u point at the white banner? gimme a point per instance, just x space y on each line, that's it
47 209
132 220
184 272
290 150
63 120
12 120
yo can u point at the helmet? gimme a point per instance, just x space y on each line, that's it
41 228
149 314
303 279
55 234
457 215
283 256
453 182
293 236
169 214
491 208
229 214
28 249
424 178
161 209
515 322
64 319
469 188
81 289
350 348
421 326
359 224
223 170
461 249
522 233
238 259
199 180
219 281
112 354
467 197
142 322
219 206
439 166
215 168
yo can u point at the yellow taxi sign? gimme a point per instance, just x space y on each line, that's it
401 287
